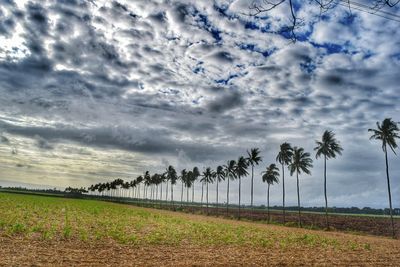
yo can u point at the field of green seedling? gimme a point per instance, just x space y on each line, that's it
53 219
59 218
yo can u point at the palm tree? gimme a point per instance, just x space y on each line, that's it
328 147
284 157
301 162
139 180
208 177
196 174
220 176
146 179
253 158
156 181
188 184
270 177
133 185
163 178
183 178
173 177
202 180
387 132
230 173
241 170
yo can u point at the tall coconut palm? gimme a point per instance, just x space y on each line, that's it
202 181
188 184
166 187
146 180
208 178
230 173
172 177
284 157
134 186
328 147
253 158
241 171
163 178
270 177
387 132
301 162
196 174
220 176
183 178
139 180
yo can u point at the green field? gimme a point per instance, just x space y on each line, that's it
80 227
58 218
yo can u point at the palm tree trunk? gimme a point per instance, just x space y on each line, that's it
187 196
298 197
157 193
240 185
166 194
268 202
207 197
202 189
227 199
172 195
326 196
252 187
182 195
217 195
283 191
193 192
390 195
161 200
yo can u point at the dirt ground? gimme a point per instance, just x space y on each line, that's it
16 251
380 226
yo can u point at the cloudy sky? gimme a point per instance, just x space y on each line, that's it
95 90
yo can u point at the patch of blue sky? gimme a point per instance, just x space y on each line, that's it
254 48
205 24
227 80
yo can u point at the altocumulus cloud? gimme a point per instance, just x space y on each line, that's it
96 89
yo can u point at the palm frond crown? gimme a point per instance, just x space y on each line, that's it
301 161
271 174
387 132
253 156
285 154
328 146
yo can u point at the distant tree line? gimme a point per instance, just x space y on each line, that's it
68 190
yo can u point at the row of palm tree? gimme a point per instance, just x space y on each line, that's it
294 158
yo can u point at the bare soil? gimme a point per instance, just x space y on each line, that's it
372 225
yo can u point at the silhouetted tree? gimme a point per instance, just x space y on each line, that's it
230 173
284 157
196 174
172 177
220 176
387 133
241 171
301 162
208 177
270 177
328 147
253 158
183 178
